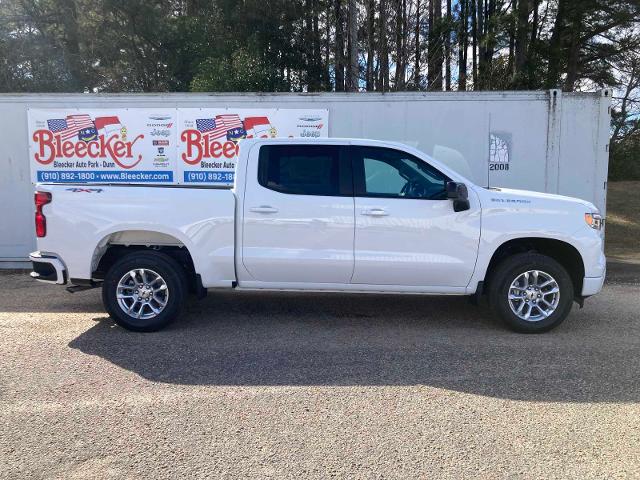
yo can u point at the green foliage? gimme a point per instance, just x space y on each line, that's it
624 159
242 72
177 45
30 64
306 45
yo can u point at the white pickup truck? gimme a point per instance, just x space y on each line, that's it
331 215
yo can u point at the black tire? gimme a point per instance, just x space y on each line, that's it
167 268
510 269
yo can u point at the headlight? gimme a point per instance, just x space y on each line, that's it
594 220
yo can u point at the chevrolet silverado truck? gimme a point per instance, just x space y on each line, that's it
322 215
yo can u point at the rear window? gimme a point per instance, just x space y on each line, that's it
300 169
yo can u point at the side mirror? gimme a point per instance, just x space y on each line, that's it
460 195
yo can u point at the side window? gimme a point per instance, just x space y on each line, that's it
300 169
385 172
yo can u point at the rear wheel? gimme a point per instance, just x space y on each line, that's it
144 291
532 293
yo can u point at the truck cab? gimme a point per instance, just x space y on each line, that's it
334 215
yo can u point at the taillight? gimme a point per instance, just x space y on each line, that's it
41 199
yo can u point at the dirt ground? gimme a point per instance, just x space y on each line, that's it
320 386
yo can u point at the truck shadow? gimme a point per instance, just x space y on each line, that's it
255 339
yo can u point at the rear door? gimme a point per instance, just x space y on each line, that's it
298 215
406 230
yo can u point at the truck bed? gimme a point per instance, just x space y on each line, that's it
80 217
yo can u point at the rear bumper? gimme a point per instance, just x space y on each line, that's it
48 268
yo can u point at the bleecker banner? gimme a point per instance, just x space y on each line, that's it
209 138
103 145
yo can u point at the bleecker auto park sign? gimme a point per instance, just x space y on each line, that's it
103 146
165 146
210 138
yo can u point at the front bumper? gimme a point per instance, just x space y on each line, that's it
48 268
592 285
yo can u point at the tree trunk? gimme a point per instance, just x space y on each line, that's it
521 44
439 60
405 47
574 47
512 41
430 44
317 54
417 78
490 42
532 55
307 47
352 82
312 47
447 49
435 53
399 57
463 36
339 52
370 44
481 44
474 35
71 37
326 64
555 47
383 82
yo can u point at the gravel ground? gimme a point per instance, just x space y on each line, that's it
316 386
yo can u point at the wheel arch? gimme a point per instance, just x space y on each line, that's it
116 244
562 252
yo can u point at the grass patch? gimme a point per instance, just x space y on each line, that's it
623 220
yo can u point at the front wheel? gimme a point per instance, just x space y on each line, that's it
144 291
532 293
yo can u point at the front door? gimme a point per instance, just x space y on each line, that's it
406 230
298 221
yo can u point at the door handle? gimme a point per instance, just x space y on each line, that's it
375 212
263 209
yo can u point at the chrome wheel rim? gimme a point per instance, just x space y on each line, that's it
142 293
534 295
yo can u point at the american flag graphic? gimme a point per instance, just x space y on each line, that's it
215 128
210 128
230 120
70 126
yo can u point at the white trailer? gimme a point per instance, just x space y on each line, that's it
546 141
